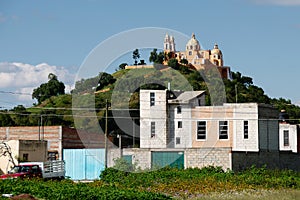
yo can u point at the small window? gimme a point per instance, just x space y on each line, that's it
286 138
178 109
201 130
179 124
177 140
25 157
152 129
190 53
223 129
245 129
152 98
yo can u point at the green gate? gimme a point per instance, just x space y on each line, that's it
167 158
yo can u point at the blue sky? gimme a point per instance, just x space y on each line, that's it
259 38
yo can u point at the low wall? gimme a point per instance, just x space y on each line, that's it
272 160
197 157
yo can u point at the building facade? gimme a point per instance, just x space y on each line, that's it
176 128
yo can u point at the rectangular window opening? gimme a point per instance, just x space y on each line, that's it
152 98
223 130
178 109
177 140
179 124
246 130
286 138
201 130
152 129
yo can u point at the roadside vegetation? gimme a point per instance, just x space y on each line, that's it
166 183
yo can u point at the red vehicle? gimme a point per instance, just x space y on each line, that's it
24 171
49 170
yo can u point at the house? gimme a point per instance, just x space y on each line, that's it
178 129
82 151
14 151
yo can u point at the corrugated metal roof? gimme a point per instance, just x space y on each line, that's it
186 96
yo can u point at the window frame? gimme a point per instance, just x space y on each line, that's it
177 140
246 129
286 138
152 98
179 109
152 130
203 130
179 124
221 129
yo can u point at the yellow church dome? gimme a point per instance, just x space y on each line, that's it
216 50
193 44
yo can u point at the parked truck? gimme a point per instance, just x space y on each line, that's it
49 170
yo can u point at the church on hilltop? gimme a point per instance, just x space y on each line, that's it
193 56
196 57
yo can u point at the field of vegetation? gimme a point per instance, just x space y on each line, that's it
167 183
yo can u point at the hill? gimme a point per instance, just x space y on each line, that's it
57 110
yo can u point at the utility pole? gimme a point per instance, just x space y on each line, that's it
236 95
105 132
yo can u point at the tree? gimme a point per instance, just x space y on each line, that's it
46 90
173 62
184 61
122 65
136 56
104 80
156 58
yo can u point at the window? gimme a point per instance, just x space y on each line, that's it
152 129
286 138
177 140
201 130
179 124
245 129
152 98
190 53
25 157
178 109
223 129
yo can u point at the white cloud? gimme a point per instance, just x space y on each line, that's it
279 2
21 78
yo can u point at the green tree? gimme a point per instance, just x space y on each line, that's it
184 61
173 62
136 56
20 116
104 80
46 90
6 120
122 65
156 58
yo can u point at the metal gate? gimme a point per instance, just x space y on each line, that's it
84 164
163 159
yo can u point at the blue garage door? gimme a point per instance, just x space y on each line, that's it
84 164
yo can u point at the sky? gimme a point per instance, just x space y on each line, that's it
259 38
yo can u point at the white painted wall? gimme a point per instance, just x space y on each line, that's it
157 114
292 137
